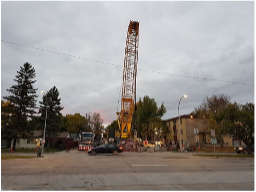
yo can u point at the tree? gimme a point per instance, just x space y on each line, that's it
51 103
149 116
211 105
35 123
113 125
23 99
7 110
64 123
77 123
238 121
96 122
209 109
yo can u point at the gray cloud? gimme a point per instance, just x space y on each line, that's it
212 40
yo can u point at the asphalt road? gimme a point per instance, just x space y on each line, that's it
76 170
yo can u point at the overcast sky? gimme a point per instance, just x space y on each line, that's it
213 40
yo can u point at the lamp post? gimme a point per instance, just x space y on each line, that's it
44 122
179 117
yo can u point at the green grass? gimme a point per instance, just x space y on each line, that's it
51 150
32 152
219 155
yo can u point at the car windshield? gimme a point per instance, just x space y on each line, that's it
87 135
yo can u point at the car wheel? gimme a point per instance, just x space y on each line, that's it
115 152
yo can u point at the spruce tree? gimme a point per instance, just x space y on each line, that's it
51 103
23 98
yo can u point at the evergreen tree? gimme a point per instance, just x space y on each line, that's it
23 99
51 103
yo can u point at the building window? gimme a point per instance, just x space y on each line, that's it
32 141
180 120
174 122
181 132
28 141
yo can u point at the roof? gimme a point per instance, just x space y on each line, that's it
63 135
175 118
37 133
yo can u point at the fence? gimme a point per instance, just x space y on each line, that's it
129 145
71 144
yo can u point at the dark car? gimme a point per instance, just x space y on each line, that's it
107 148
243 149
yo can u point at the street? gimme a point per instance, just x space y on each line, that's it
76 170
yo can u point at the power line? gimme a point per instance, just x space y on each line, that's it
145 70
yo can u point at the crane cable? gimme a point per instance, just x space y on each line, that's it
145 70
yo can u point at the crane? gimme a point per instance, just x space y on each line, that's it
124 118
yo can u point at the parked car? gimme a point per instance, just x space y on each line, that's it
107 148
243 149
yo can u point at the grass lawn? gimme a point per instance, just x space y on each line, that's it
33 150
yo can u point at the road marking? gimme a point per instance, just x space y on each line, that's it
148 165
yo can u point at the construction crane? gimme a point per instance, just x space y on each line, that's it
124 118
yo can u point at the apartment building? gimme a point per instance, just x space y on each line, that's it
188 126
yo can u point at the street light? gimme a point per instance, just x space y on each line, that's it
44 122
184 96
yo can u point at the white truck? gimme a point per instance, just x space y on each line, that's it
86 141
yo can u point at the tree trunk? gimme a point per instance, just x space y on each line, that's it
14 144
167 144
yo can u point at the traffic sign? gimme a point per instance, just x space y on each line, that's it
212 132
214 140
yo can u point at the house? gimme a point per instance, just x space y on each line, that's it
188 125
30 142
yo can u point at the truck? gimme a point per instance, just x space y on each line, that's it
86 141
